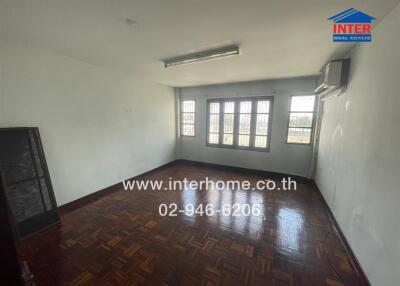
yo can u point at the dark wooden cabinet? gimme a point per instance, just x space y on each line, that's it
26 180
10 270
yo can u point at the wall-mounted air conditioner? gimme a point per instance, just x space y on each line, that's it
333 79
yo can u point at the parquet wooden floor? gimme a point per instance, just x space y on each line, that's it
120 239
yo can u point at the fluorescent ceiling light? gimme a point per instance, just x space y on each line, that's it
202 56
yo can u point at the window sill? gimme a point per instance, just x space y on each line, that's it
294 143
238 148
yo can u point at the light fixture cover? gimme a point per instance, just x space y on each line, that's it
202 56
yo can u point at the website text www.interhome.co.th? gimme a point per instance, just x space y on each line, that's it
208 184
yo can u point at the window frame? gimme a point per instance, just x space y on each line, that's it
236 113
181 117
312 123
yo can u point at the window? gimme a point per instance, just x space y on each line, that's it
188 111
301 118
229 122
214 123
241 123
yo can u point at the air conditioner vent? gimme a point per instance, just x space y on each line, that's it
333 77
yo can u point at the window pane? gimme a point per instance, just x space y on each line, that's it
188 118
228 139
263 106
299 135
188 106
228 123
302 103
260 142
300 120
213 138
262 124
229 107
244 140
214 107
188 129
244 123
245 107
214 123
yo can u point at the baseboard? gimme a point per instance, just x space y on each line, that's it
78 203
355 264
272 175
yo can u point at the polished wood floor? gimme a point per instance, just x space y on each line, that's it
120 239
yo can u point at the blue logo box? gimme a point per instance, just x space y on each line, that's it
351 37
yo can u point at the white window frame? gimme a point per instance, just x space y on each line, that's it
252 135
312 123
181 117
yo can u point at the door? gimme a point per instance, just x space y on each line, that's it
26 179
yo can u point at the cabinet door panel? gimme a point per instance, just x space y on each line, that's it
27 181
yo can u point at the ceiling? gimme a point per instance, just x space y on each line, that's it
277 38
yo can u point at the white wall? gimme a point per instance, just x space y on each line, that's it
98 126
358 168
283 158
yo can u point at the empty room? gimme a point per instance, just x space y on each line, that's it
198 142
